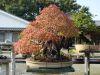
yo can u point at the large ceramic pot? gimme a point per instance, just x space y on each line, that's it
35 64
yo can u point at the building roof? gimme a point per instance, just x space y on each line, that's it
8 21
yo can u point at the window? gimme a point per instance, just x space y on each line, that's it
2 37
15 37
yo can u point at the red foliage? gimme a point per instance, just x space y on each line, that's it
49 25
56 21
24 46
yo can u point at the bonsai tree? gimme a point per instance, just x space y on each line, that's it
44 37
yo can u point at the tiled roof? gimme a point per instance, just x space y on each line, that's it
10 21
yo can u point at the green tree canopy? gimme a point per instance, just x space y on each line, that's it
83 20
69 6
29 9
26 9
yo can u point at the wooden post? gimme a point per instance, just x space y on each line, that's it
87 64
7 69
12 62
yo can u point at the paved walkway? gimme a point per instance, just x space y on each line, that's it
79 70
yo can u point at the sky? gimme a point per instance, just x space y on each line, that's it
93 5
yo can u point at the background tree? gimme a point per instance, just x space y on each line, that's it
69 6
83 20
29 9
47 34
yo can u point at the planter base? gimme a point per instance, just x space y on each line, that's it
46 67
